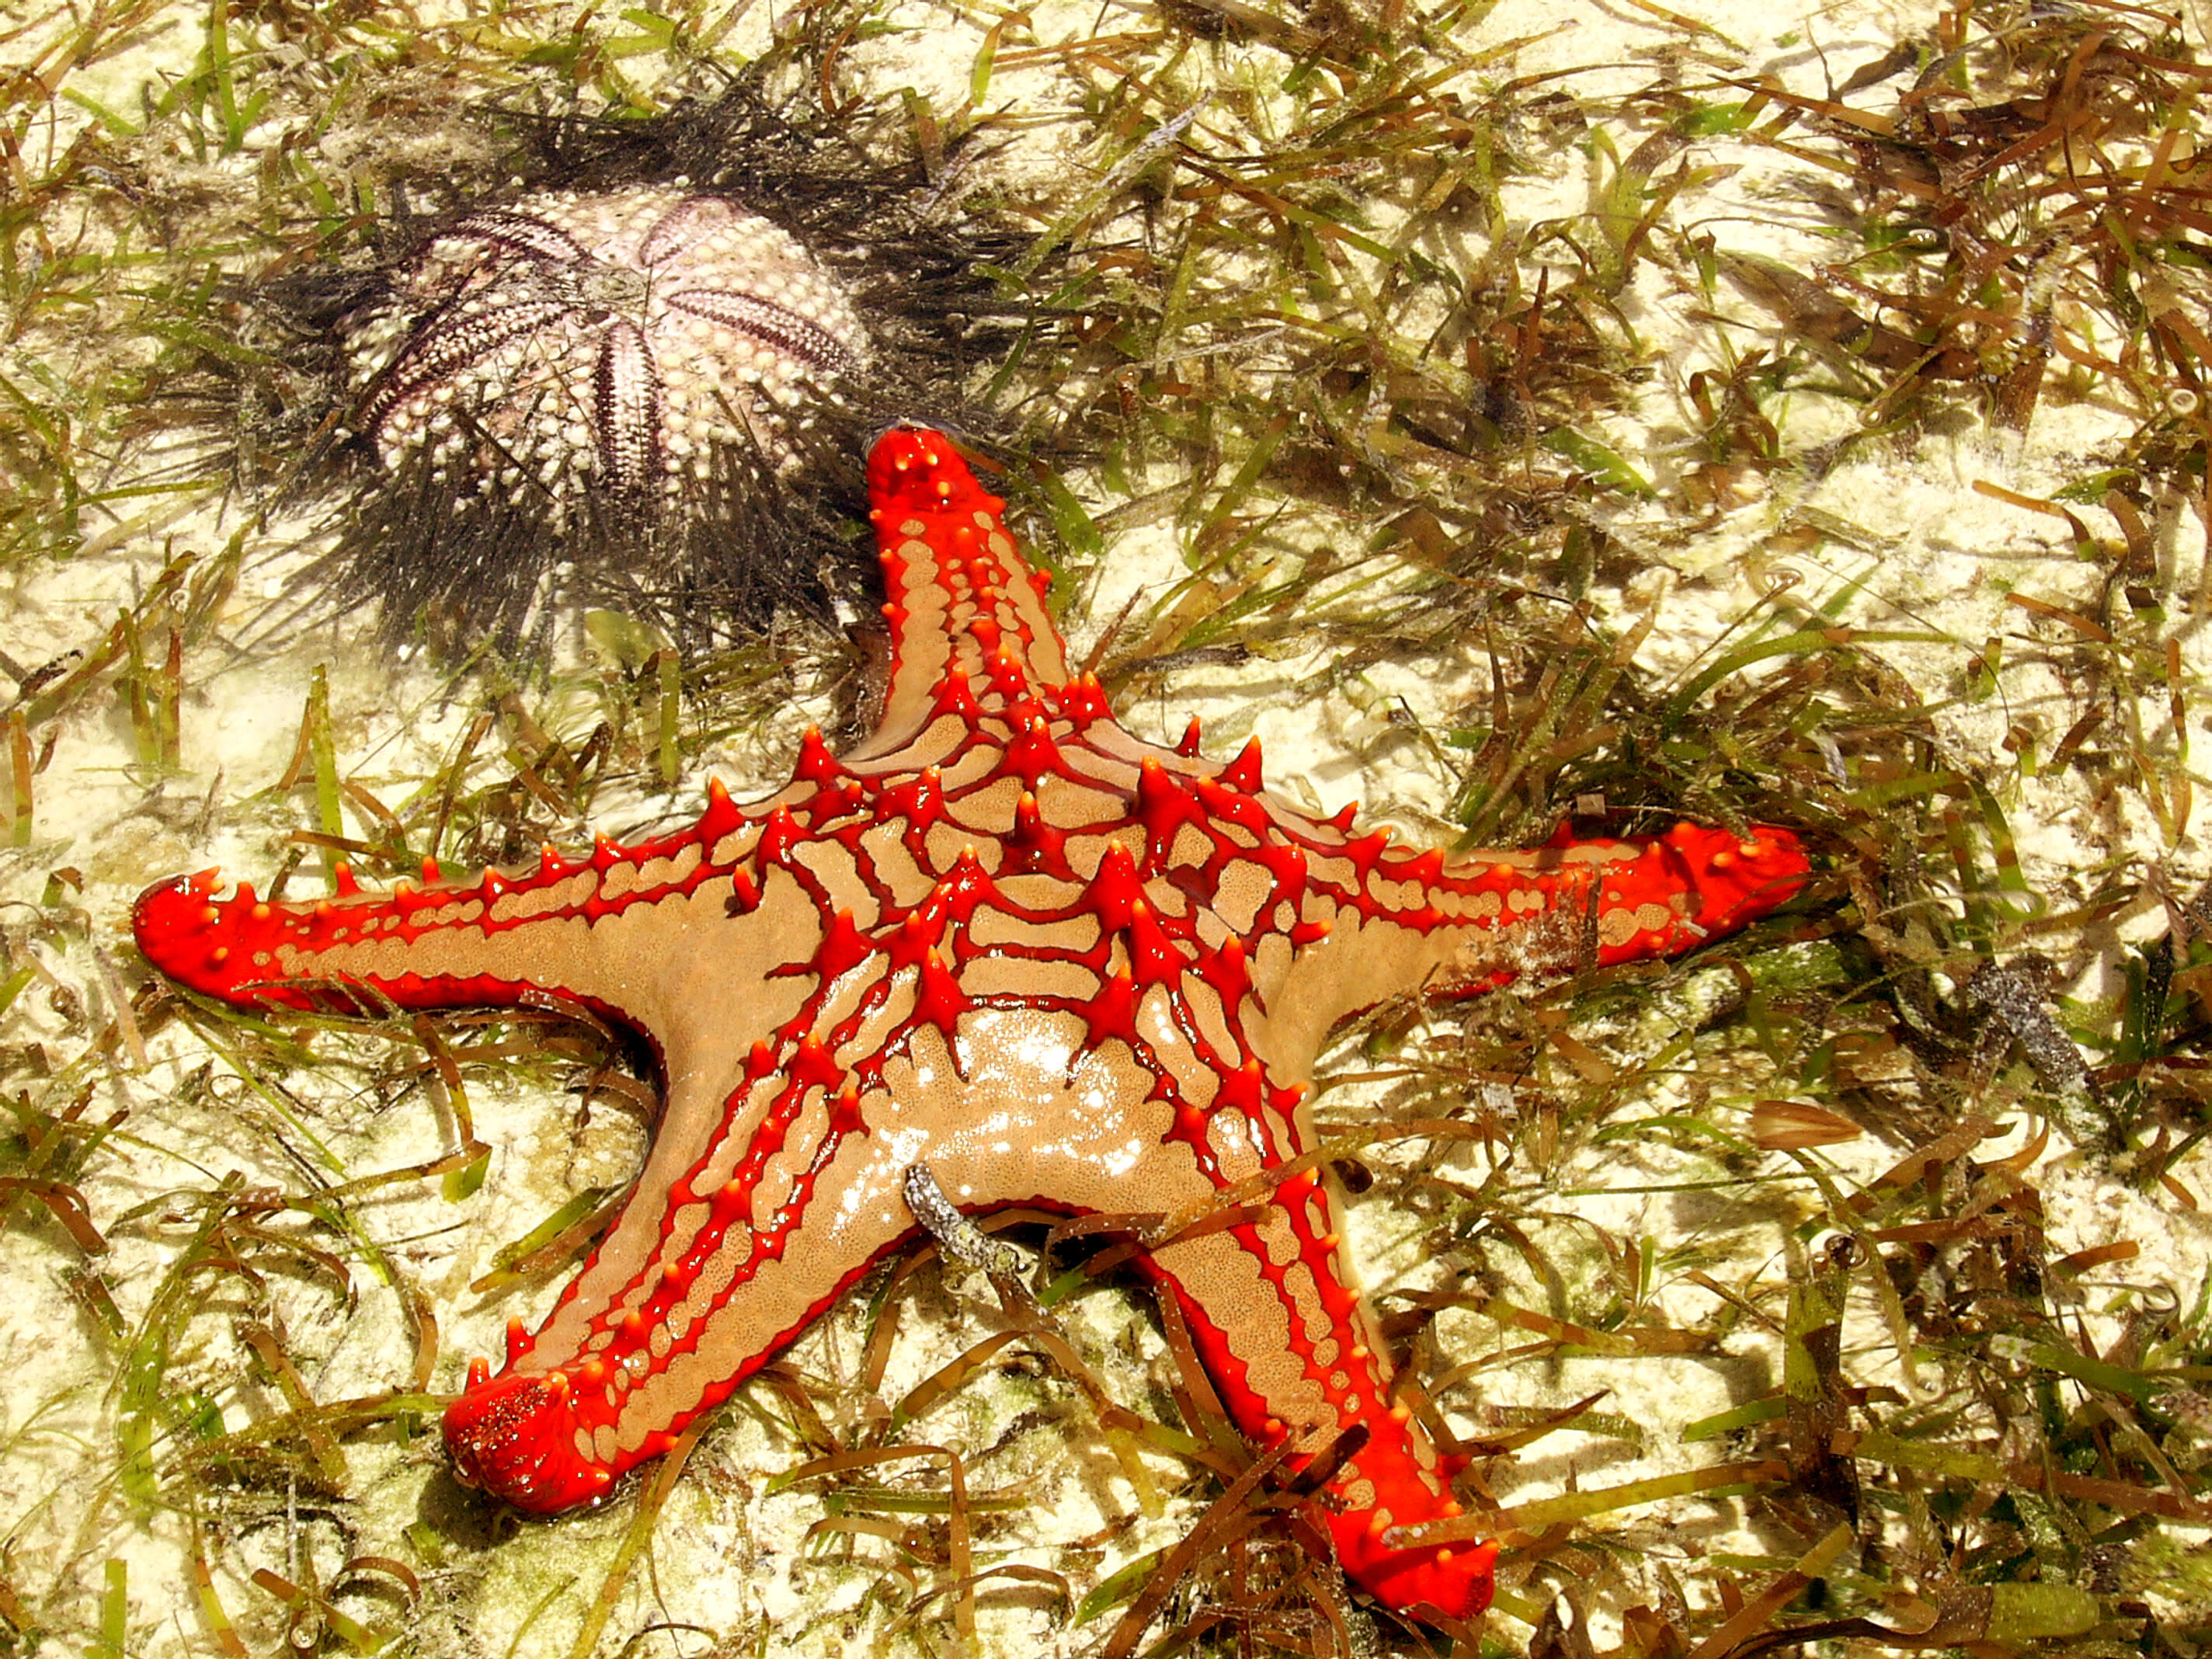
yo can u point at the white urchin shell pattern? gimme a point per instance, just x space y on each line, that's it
566 344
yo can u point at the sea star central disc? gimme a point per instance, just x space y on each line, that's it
1005 939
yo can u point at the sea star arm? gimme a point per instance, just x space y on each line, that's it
731 1241
967 615
1382 921
597 931
1296 1355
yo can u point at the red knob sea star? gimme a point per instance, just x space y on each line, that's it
1004 938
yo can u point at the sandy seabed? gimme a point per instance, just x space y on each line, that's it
1922 557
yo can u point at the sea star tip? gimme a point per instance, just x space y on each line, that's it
1454 1582
916 472
515 1436
1737 878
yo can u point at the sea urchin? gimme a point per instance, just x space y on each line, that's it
591 357
627 364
